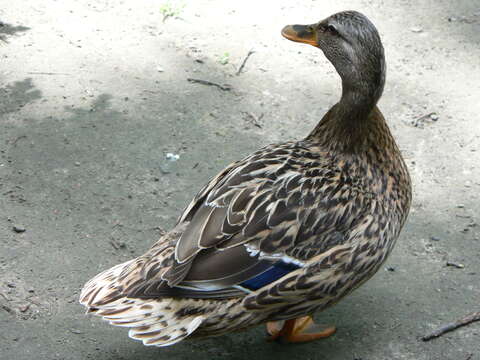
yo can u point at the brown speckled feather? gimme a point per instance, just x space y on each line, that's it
298 199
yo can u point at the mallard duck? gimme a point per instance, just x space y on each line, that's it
287 231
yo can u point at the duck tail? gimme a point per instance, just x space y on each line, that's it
153 321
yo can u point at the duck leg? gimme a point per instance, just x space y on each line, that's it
301 329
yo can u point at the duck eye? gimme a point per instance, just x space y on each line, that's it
331 29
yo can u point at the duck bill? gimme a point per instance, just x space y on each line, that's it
300 33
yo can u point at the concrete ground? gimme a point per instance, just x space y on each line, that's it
94 95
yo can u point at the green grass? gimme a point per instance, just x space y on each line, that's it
224 59
171 9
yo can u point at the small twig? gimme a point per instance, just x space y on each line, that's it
5 296
254 119
244 62
45 73
458 266
395 326
115 244
426 116
452 326
14 142
419 122
224 87
7 308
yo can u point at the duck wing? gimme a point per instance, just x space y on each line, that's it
258 220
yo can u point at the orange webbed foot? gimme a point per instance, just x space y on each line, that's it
298 330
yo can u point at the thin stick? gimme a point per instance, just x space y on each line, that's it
419 122
115 244
224 87
255 120
14 142
7 308
244 62
45 73
452 326
458 266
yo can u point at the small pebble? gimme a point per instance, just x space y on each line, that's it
75 331
172 157
460 206
390 268
24 308
164 170
19 229
416 29
434 117
434 238
77 163
11 285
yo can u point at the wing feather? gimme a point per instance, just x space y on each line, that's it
278 202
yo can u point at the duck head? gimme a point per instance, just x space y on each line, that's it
352 44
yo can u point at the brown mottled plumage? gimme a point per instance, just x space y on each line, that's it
328 209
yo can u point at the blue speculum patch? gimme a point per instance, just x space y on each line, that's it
277 271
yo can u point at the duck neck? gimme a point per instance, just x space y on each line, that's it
359 97
349 121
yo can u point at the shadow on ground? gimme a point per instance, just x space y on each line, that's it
92 187
8 30
14 96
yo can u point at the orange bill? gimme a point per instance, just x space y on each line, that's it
300 33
